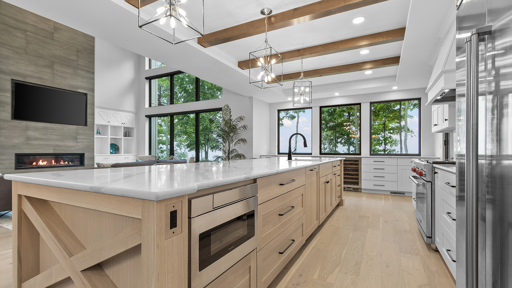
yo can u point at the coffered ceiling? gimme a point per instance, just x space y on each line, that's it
332 60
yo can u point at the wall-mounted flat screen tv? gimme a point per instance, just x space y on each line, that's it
37 103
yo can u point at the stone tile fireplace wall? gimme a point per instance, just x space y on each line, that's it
38 50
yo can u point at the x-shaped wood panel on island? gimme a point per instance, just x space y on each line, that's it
80 263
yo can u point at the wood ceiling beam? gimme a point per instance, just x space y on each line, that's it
336 47
375 64
135 3
284 19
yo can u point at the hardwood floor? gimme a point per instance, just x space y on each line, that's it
5 258
373 241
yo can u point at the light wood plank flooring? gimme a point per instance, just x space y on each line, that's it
5 258
373 241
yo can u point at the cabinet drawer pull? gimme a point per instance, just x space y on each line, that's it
378 161
379 177
339 196
378 185
282 184
339 185
448 251
449 214
414 199
339 174
314 169
445 119
450 185
379 169
435 124
282 214
293 241
327 182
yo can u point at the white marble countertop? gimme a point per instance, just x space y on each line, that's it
161 182
447 167
353 156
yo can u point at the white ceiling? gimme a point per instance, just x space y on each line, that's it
116 22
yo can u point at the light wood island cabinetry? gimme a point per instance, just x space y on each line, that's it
73 238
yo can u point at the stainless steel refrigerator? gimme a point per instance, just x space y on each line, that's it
484 144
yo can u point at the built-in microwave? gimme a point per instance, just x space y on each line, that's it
223 230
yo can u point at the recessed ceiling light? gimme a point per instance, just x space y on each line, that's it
368 72
358 20
336 94
289 98
446 90
364 52
394 88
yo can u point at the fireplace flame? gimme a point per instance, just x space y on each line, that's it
45 163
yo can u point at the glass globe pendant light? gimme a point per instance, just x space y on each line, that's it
302 90
265 64
167 19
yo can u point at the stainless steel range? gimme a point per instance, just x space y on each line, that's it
424 195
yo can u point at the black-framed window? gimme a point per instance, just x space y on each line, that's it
154 64
292 121
180 87
396 127
185 135
340 130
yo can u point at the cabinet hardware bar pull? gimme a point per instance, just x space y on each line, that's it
339 196
327 182
293 241
314 169
378 185
449 214
282 214
448 251
379 176
435 124
282 184
378 161
339 185
414 199
379 169
448 184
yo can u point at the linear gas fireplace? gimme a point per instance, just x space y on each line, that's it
48 160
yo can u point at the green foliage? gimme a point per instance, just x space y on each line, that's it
184 88
390 129
209 91
291 115
340 129
230 132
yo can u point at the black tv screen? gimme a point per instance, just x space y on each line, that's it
37 103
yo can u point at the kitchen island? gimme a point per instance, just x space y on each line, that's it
128 227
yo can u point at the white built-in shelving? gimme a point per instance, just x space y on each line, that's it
114 127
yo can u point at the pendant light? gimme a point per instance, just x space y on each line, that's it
265 64
302 90
168 19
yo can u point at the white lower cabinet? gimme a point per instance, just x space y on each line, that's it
387 175
404 183
379 185
110 159
445 218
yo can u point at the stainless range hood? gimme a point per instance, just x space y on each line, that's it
445 97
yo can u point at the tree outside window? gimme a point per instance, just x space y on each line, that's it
340 131
294 121
396 127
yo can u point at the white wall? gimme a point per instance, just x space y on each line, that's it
260 124
117 77
240 105
428 146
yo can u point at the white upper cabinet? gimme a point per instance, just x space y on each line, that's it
443 118
128 120
101 117
116 118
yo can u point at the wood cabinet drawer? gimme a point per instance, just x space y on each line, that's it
446 211
380 161
448 182
379 185
446 247
380 177
277 253
277 214
380 169
240 275
275 185
326 169
336 165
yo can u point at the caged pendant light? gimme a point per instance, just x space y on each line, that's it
169 20
302 90
265 64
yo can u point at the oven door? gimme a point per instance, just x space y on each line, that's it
221 238
423 206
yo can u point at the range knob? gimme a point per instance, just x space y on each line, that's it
413 169
420 173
